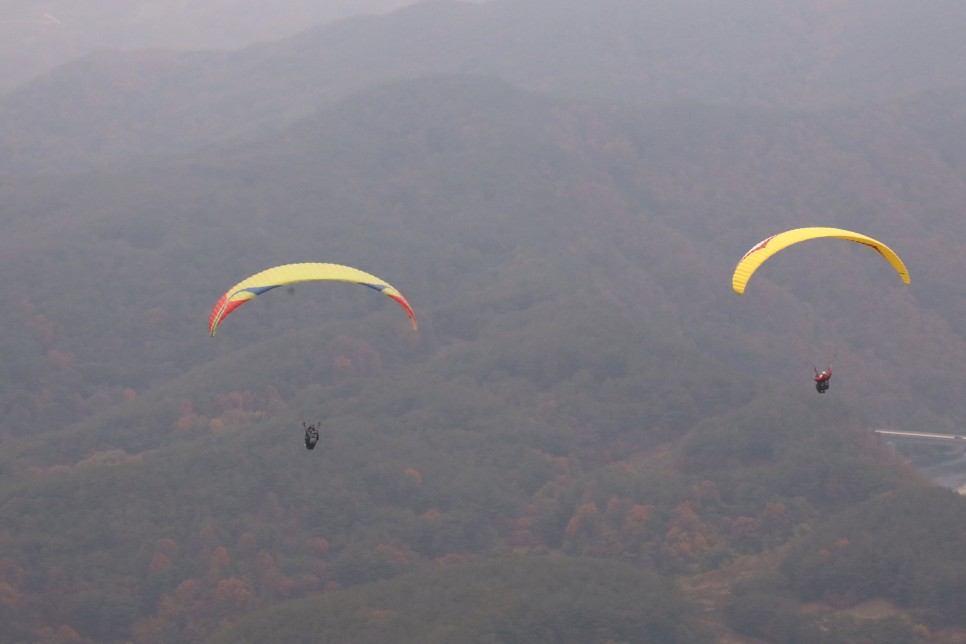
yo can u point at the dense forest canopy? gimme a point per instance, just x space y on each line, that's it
513 600
589 423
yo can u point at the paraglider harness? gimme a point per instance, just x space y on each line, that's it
311 436
821 379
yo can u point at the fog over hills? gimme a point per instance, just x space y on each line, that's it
36 37
794 54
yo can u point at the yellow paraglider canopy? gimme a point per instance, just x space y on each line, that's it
768 247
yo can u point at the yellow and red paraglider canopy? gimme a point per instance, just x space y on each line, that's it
259 283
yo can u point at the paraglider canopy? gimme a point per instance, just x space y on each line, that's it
259 283
764 249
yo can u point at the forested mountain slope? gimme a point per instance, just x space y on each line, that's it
584 380
448 186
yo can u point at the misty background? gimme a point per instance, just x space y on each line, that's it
38 36
591 438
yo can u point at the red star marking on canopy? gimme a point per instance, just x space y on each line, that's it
758 246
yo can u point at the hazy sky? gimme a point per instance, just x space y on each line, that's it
37 36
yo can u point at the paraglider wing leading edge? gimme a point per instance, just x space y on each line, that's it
764 249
